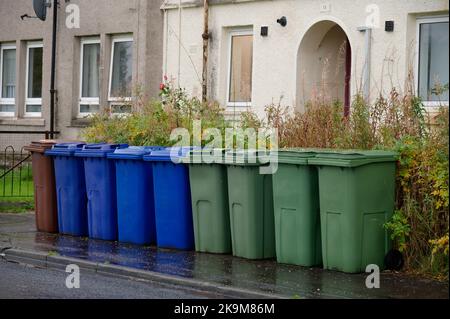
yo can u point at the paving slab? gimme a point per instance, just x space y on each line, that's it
265 277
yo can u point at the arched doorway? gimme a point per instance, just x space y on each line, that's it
324 65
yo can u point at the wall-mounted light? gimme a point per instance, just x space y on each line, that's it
282 21
264 31
389 26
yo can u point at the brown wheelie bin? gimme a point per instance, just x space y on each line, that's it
44 186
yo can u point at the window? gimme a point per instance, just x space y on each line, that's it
120 108
240 69
433 63
121 75
7 80
89 76
33 100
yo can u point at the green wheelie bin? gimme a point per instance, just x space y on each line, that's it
357 192
209 193
297 212
251 207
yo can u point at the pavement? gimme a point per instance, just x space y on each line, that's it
176 272
25 282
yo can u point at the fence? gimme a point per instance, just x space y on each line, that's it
16 179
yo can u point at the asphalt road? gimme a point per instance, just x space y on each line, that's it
24 282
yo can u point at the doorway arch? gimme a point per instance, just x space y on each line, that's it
324 65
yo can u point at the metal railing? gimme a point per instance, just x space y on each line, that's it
16 179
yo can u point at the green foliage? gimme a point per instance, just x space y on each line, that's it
422 194
399 229
439 255
151 123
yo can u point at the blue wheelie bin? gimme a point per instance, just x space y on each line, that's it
70 189
100 176
135 202
173 207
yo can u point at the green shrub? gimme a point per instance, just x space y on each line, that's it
151 123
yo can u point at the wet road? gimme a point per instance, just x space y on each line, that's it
18 231
23 282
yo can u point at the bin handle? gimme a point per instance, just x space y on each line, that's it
93 147
66 146
103 146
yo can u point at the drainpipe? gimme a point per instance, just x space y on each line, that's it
53 70
179 42
205 50
166 40
367 63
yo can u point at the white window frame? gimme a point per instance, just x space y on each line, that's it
4 101
32 101
430 105
117 39
233 33
86 100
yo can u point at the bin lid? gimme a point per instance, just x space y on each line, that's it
294 156
250 157
134 152
352 158
40 146
65 149
98 150
169 154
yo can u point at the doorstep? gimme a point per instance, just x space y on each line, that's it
237 277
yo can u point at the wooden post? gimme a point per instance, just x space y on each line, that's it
205 37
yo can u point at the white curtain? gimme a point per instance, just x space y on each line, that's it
91 57
9 74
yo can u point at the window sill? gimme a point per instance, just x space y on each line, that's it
231 110
234 115
80 122
22 122
239 105
434 107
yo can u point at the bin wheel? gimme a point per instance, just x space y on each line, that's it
394 260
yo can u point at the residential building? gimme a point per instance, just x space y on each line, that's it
264 51
115 49
259 52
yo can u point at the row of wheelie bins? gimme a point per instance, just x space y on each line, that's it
319 207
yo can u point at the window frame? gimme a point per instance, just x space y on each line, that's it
118 39
32 101
430 105
7 101
233 33
87 100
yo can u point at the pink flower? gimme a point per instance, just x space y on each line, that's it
162 86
